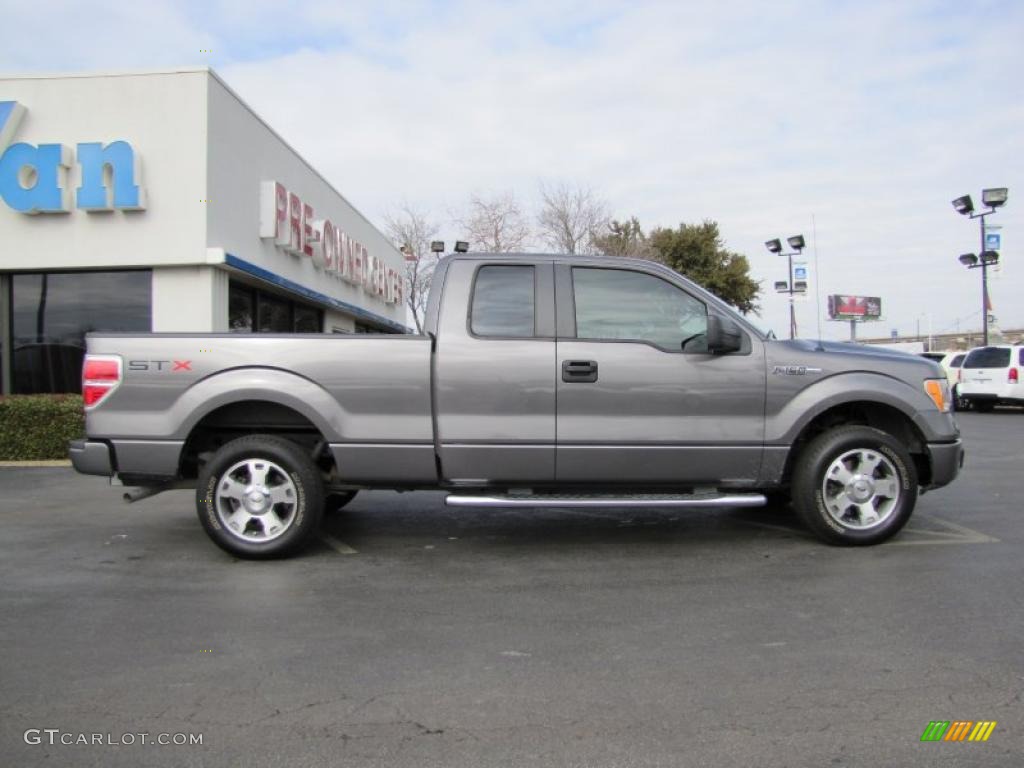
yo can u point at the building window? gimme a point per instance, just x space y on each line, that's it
241 308
250 309
52 311
307 319
273 314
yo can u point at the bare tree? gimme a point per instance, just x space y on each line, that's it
495 223
412 231
571 217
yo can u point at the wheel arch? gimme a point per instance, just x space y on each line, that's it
871 413
225 422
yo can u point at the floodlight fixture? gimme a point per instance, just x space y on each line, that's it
990 257
775 246
800 286
968 259
437 246
781 286
796 242
461 246
964 205
994 197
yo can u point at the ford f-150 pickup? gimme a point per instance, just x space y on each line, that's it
539 380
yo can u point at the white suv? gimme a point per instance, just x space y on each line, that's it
990 376
951 364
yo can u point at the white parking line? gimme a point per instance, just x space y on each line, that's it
338 546
954 534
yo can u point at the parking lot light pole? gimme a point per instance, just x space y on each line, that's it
993 198
797 244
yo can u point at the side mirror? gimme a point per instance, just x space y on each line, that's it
723 335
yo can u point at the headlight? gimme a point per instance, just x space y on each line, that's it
938 391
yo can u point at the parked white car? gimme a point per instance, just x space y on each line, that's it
990 376
951 363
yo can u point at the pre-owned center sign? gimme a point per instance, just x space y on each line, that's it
292 225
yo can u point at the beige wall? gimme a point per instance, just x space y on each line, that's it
163 117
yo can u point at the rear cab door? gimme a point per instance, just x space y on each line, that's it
494 376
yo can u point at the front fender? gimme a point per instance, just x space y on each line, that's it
784 425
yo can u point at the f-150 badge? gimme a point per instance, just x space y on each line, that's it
794 370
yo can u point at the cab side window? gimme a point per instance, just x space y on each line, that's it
617 304
504 301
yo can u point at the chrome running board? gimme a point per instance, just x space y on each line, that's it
626 500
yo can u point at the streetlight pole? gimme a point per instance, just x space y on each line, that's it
984 280
797 244
993 198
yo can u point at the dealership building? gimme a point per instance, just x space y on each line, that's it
160 201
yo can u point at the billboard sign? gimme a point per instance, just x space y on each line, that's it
854 307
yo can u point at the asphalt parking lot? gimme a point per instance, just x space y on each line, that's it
415 635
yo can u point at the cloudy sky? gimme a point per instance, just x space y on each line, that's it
853 122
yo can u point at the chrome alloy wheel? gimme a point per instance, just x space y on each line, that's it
256 500
861 489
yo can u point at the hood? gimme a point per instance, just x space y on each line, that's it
838 356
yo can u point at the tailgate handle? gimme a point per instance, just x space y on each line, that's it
579 371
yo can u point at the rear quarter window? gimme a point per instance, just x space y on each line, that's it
503 301
988 357
957 361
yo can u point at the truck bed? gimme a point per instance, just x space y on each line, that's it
171 382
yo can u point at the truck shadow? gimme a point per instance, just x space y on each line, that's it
426 524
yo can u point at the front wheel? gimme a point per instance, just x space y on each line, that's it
854 485
260 497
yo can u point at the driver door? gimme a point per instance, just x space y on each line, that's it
638 397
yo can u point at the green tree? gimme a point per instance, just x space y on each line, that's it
624 238
698 251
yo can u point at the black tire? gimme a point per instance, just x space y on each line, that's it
892 485
336 500
288 473
983 406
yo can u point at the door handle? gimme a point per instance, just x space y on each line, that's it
579 371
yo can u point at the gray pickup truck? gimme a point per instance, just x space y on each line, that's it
539 381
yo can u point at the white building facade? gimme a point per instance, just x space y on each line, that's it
160 202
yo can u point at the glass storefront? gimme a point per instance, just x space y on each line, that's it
250 309
51 313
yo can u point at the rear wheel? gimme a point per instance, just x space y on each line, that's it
854 485
260 497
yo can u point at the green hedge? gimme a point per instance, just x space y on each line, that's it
39 426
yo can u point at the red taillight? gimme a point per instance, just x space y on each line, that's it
1013 377
101 369
100 376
